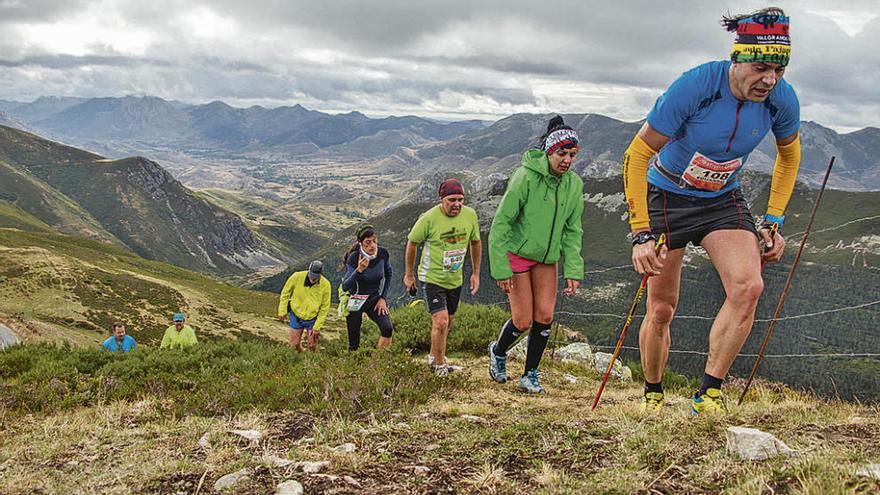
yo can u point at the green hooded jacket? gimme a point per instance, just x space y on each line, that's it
538 218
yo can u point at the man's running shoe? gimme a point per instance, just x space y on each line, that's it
711 402
440 370
529 383
651 403
497 365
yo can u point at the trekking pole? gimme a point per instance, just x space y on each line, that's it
629 318
787 284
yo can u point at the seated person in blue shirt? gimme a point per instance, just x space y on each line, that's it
119 341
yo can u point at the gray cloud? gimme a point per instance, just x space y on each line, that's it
37 10
483 59
72 62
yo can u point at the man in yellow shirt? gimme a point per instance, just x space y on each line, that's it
178 335
305 299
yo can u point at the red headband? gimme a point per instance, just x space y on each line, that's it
451 186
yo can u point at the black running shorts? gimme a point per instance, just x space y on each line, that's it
688 219
440 299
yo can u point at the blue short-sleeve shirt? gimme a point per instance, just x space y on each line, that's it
699 114
112 345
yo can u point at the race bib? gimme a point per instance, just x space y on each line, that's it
704 173
356 302
453 259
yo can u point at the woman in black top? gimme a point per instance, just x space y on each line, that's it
367 279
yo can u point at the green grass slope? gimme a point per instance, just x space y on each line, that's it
47 204
70 289
13 217
67 413
134 199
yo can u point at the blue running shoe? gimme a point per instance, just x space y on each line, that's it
529 383
497 365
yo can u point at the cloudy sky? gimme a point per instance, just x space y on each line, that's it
445 59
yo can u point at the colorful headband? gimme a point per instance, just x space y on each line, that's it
560 138
762 38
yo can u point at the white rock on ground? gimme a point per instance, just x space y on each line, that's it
252 435
314 467
278 462
351 481
346 448
569 378
289 487
203 441
421 470
578 353
755 445
228 481
7 338
600 363
870 471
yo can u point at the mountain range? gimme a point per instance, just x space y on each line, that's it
498 147
119 126
217 126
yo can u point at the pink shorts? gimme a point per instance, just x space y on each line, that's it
518 264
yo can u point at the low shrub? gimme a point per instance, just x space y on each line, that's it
218 378
472 330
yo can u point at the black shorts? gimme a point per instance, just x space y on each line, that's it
688 219
355 318
442 299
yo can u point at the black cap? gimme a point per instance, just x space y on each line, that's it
316 268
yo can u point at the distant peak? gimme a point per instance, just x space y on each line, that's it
217 104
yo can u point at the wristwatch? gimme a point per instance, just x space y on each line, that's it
643 237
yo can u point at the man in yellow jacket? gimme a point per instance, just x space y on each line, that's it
178 335
305 299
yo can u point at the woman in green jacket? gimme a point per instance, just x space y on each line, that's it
538 219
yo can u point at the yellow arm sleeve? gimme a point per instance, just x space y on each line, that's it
785 170
635 182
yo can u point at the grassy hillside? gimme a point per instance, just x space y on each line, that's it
81 410
45 203
13 217
132 201
61 288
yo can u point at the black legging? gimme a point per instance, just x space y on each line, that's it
355 318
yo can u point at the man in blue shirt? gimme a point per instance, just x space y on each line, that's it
700 134
119 341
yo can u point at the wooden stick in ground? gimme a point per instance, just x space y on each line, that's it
629 318
787 284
